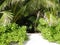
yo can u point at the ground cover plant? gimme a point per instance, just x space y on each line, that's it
12 33
50 32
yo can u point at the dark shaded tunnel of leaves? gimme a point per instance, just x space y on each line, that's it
27 22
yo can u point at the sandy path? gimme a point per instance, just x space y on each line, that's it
37 39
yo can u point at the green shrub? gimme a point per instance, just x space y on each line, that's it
51 33
12 33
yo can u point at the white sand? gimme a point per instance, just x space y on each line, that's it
37 39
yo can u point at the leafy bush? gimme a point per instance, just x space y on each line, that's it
51 33
12 33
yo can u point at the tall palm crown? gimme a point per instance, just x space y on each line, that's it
25 7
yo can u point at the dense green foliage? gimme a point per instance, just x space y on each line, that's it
50 32
28 12
12 33
26 8
49 25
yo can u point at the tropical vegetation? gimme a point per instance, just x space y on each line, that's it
20 16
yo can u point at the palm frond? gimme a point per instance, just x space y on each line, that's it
6 18
4 4
9 3
21 7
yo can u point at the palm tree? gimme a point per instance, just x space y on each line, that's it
25 7
11 6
